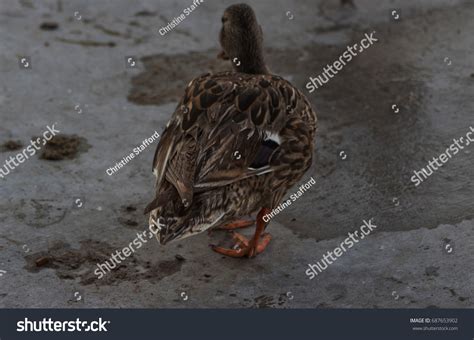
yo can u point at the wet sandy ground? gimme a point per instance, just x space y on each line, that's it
61 217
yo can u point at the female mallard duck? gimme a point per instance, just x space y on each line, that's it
235 144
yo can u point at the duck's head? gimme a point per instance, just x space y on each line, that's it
241 39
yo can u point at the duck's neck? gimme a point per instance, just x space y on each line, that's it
252 64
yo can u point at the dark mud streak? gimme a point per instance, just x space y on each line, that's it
88 43
11 145
265 301
71 264
131 217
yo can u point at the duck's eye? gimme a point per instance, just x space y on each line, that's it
224 19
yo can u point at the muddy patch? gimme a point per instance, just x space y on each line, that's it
63 147
49 26
11 145
80 264
265 301
131 217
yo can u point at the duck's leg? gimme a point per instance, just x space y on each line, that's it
252 247
237 225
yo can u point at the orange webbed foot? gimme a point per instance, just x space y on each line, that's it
244 247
